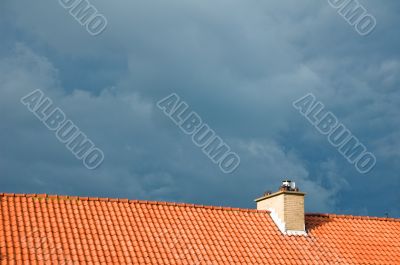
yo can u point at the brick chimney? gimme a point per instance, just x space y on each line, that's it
287 208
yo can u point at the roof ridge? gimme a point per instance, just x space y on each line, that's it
189 205
124 200
328 215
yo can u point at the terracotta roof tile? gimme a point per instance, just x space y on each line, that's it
41 229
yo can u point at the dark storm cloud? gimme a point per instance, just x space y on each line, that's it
238 64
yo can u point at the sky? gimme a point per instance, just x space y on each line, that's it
239 65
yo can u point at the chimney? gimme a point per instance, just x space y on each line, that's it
286 207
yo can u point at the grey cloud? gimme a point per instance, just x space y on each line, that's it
239 64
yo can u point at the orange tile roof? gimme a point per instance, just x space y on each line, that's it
42 229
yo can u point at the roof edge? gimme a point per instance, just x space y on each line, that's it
120 200
360 217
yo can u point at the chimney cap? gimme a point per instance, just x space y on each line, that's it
288 185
